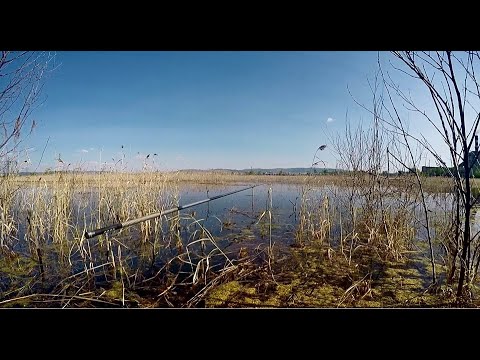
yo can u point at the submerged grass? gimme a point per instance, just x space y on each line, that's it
311 278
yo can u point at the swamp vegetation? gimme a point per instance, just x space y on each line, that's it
295 241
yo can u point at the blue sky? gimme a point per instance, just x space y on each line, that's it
197 109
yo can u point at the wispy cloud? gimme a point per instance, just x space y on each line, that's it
91 149
84 151
329 120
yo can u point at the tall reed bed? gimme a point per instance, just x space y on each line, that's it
8 225
368 212
44 218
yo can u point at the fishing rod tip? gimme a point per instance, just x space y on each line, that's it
89 234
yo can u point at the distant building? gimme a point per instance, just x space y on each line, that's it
473 162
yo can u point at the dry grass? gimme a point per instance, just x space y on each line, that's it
109 180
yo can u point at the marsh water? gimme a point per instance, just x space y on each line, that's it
252 219
266 214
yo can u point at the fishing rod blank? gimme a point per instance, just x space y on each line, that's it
91 234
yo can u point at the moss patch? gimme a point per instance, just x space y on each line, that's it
318 276
221 295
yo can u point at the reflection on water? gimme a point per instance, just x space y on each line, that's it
230 216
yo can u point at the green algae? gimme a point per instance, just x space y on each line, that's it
317 276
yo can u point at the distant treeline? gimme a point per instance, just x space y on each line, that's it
441 171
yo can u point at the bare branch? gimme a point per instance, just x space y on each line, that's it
22 76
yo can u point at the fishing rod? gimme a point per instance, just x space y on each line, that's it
91 234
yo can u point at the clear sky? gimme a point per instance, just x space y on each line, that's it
198 110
